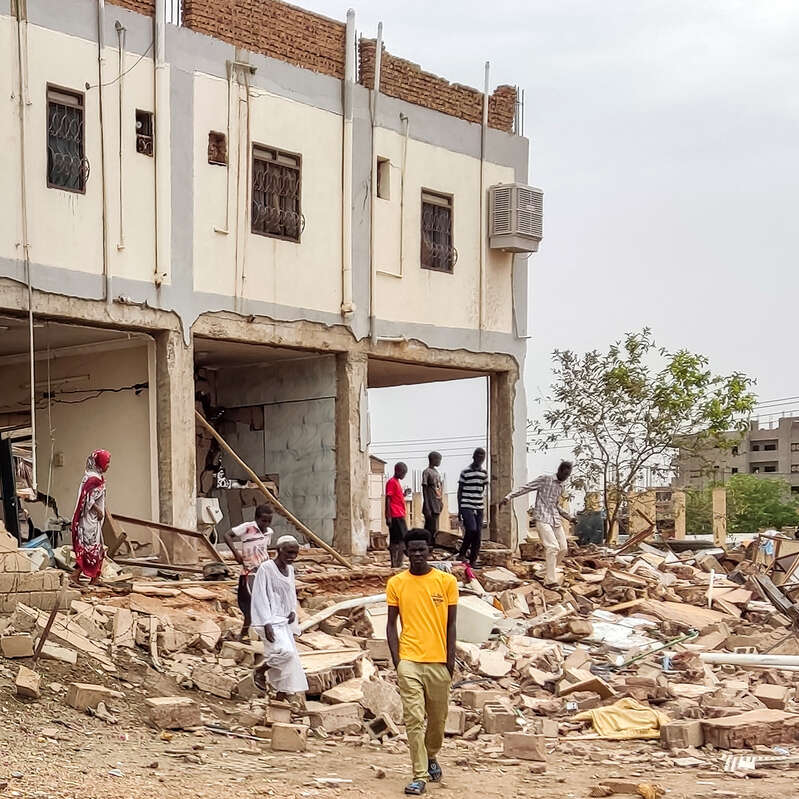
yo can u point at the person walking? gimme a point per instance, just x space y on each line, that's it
88 518
425 601
395 514
471 505
547 513
432 495
248 542
274 617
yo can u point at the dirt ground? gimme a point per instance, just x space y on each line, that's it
50 751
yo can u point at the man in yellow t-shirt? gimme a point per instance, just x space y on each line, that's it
426 601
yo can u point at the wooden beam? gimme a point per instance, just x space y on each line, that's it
168 528
279 507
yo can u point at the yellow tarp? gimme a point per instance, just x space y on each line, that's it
625 719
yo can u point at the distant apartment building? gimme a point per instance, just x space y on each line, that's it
768 449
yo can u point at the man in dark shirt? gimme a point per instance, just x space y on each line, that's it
432 495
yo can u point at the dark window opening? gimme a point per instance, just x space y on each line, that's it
438 252
769 447
217 148
384 178
144 132
755 447
755 470
795 468
735 470
67 167
735 450
771 469
276 194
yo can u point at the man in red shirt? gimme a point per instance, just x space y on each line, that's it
395 515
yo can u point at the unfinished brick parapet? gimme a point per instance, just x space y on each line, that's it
141 6
407 81
275 29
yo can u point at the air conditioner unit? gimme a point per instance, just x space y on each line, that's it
516 217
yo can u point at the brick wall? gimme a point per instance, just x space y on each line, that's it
142 6
272 28
407 81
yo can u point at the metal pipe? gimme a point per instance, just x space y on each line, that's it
121 36
104 193
373 186
347 305
161 146
481 227
23 99
737 659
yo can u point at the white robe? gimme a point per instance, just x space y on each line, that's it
274 597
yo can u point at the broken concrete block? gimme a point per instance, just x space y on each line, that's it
772 696
15 562
546 727
476 619
493 663
497 719
83 696
750 729
456 721
590 683
333 625
682 734
382 727
289 738
174 712
210 679
238 652
345 717
17 645
61 653
524 746
477 698
377 648
347 691
380 697
28 683
278 713
247 689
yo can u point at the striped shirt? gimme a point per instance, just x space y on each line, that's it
548 492
473 488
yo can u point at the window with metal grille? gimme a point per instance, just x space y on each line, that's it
438 252
276 198
144 132
67 167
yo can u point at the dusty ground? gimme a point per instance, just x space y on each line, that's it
50 750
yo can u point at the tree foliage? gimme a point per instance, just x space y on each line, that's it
753 503
625 408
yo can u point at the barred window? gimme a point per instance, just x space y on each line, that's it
438 252
67 167
276 194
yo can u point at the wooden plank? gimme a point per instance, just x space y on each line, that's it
681 613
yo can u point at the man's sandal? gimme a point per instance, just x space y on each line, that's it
415 788
434 770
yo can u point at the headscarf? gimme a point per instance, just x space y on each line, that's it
98 461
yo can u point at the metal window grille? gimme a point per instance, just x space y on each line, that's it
144 132
67 167
438 252
276 194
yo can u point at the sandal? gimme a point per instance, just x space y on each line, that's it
434 770
259 679
415 788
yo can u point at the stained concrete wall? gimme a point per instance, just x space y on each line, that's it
299 433
118 422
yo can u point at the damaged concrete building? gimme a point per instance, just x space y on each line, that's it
208 204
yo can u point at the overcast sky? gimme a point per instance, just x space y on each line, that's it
666 138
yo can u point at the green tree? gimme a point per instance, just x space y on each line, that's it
753 503
625 408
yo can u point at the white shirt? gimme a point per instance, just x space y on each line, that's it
274 596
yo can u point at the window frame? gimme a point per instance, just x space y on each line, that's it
444 200
81 98
257 148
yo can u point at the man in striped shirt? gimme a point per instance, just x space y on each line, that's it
547 513
471 504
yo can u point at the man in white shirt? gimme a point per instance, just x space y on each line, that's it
547 513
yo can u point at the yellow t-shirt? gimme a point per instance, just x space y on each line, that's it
423 602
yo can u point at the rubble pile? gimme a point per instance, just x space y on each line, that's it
692 652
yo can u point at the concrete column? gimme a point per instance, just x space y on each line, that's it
720 516
351 527
500 449
678 509
176 434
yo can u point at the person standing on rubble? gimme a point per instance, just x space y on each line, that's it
395 514
471 505
432 489
87 521
425 600
274 617
248 542
547 514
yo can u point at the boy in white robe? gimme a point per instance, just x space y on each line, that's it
274 617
